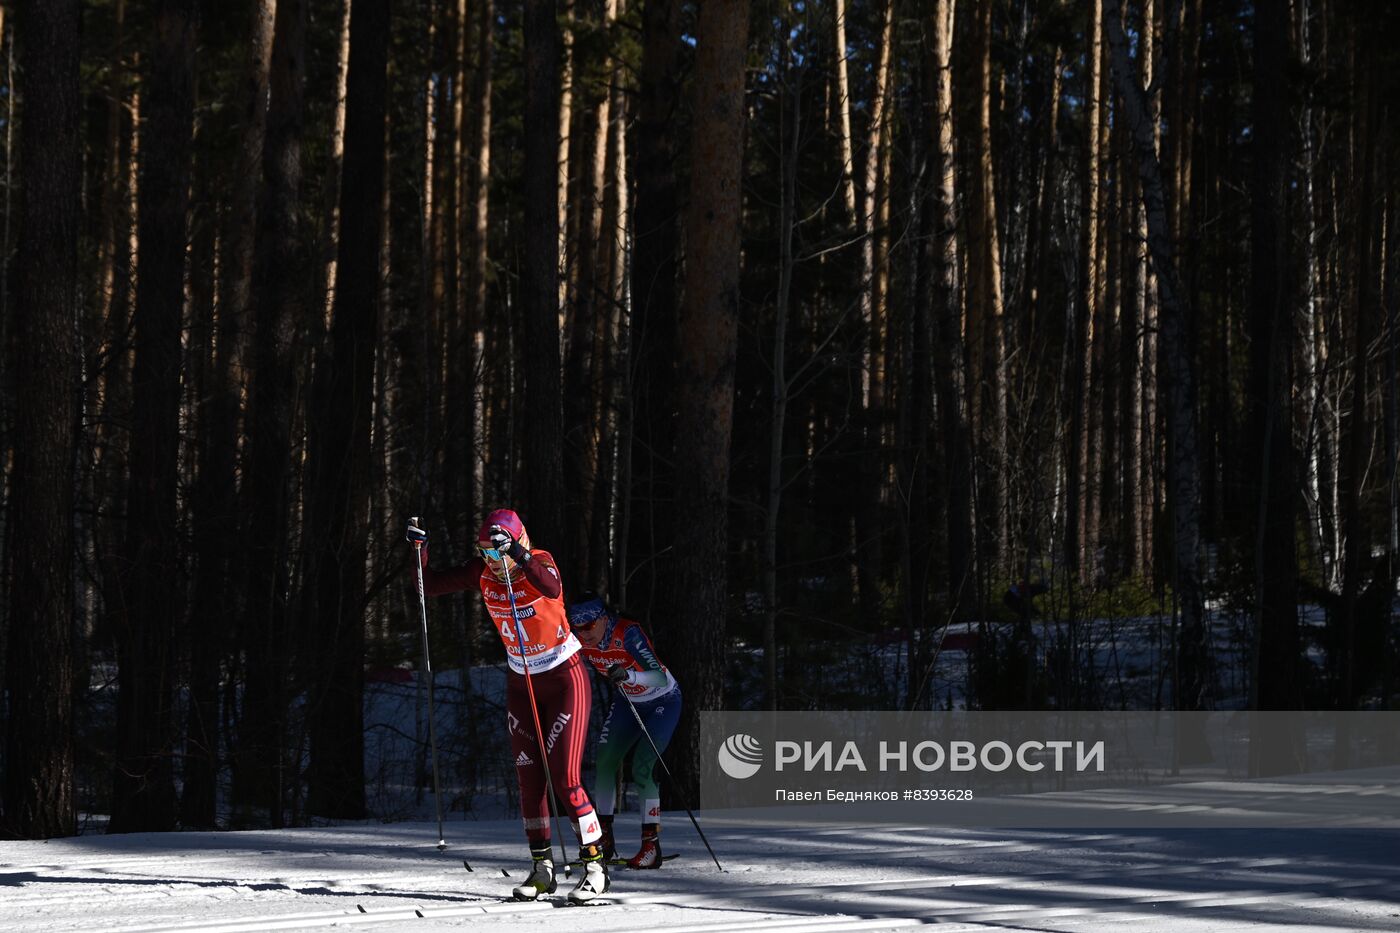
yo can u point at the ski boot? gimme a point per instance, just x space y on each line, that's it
541 878
606 843
649 856
594 882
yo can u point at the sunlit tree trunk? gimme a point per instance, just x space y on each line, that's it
565 13
843 109
1312 422
953 396
610 336
478 229
324 267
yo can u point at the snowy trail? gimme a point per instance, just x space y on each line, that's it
793 879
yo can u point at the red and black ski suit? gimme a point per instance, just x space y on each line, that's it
557 673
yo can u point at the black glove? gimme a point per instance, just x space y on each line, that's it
505 544
413 534
618 674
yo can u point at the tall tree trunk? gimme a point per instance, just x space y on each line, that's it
988 348
110 437
215 508
39 741
652 336
280 265
116 437
610 339
243 208
477 236
113 232
143 793
843 108
709 335
589 306
790 90
1277 671
916 392
324 265
1365 297
544 415
1312 424
1139 343
872 307
1078 537
342 402
563 139
1192 683
953 396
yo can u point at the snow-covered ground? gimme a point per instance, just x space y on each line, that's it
780 875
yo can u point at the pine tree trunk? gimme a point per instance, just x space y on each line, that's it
652 336
791 102
564 140
39 740
1365 295
1079 543
843 107
215 506
953 396
1312 422
543 416
280 266
985 324
476 240
341 407
1192 685
324 264
610 340
709 335
143 794
589 306
1278 672
867 502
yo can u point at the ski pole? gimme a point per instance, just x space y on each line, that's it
535 713
428 672
633 707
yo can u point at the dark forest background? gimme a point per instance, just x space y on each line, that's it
791 326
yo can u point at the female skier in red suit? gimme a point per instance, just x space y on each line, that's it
554 697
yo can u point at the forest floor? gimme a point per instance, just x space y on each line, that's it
801 873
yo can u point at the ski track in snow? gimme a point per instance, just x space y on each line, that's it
792 879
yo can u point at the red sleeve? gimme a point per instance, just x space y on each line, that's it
540 571
452 580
